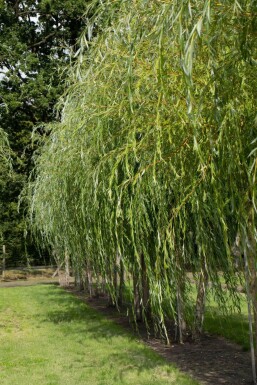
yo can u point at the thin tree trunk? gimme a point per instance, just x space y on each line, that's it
59 266
3 262
237 251
250 288
115 276
122 283
250 250
90 283
200 304
57 271
145 288
67 269
84 278
137 299
180 314
104 286
78 278
253 290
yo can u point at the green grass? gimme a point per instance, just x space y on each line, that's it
48 337
232 324
226 320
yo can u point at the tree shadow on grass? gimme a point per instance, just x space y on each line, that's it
77 317
115 346
214 361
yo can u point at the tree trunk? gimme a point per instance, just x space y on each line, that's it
78 278
59 266
200 304
250 249
122 283
67 269
104 292
137 297
145 288
115 276
181 323
3 262
250 305
90 283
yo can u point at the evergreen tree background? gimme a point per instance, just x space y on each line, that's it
36 39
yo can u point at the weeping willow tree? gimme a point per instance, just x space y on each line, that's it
5 156
5 168
151 171
4 147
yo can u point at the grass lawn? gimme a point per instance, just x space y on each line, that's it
48 337
225 319
233 325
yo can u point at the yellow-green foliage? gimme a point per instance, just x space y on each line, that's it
4 147
155 153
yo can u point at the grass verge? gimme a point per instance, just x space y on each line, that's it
231 324
48 337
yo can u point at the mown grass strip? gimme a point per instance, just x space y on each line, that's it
48 337
231 324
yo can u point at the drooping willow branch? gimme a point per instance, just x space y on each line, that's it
154 159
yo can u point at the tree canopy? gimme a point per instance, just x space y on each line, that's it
36 41
154 159
151 172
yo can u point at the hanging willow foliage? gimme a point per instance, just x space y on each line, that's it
154 161
4 148
5 169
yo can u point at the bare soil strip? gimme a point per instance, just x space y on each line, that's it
29 282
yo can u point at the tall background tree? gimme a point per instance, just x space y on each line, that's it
36 40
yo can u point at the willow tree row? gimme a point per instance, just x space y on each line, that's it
151 172
5 169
